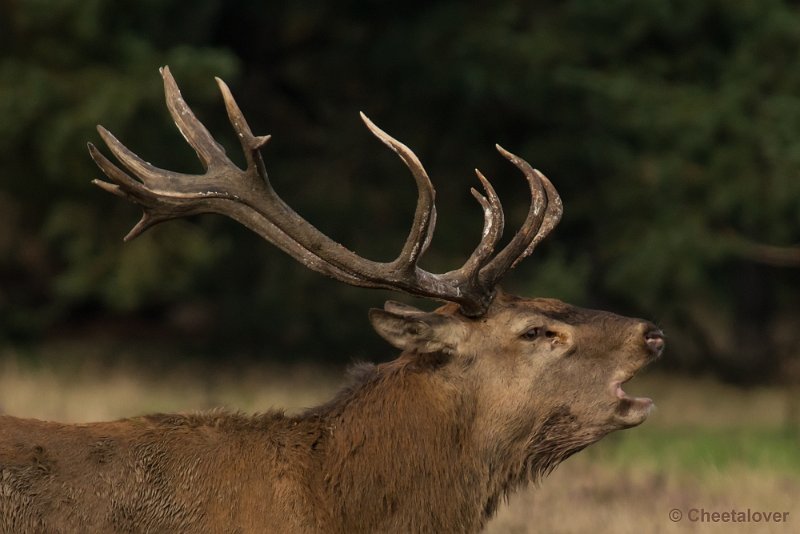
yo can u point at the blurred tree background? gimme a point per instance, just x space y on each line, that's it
671 129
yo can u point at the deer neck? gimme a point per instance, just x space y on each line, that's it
400 454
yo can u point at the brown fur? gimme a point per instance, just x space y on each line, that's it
429 442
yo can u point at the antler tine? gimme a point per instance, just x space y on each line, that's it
196 134
424 223
491 274
150 175
250 143
552 216
493 222
155 209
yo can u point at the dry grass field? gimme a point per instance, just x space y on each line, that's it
708 446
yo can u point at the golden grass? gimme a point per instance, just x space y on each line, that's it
84 390
615 486
582 496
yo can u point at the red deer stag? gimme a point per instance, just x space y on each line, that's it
490 392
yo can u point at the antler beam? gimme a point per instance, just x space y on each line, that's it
247 196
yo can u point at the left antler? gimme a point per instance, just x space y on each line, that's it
246 196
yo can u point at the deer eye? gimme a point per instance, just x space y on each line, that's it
532 333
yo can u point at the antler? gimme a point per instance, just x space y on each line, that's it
246 196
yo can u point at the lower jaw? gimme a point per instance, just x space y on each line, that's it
632 411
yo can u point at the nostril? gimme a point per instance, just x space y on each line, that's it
655 340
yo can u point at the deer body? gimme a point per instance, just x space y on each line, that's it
425 443
490 391
220 472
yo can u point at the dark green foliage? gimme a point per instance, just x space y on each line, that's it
671 128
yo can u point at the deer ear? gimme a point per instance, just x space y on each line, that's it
414 330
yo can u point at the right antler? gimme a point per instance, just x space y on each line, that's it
247 197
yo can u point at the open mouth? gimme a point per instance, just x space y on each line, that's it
626 402
630 411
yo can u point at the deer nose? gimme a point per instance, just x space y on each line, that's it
654 339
